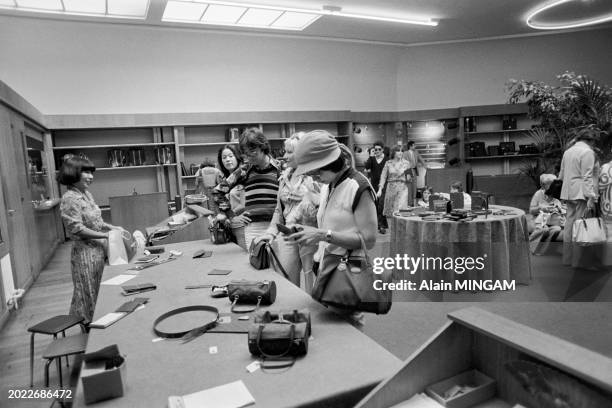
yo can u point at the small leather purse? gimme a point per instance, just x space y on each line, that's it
259 255
277 335
251 293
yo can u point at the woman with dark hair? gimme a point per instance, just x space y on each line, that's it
84 225
347 208
259 175
228 159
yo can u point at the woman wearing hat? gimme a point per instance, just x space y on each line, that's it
347 207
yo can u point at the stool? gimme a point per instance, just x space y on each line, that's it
64 346
52 326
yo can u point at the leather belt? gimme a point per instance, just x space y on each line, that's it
187 335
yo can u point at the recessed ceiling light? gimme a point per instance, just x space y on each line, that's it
266 16
184 11
95 8
530 19
55 5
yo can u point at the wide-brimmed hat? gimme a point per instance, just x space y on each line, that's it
316 149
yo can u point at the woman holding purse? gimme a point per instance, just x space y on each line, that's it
347 210
298 202
84 225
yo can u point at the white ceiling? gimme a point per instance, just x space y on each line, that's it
459 20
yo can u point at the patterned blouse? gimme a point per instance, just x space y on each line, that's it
395 172
79 211
299 199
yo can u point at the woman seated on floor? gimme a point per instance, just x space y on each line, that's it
549 215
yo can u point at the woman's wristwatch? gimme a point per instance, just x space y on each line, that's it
328 235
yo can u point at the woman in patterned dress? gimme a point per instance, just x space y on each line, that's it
605 204
84 225
396 175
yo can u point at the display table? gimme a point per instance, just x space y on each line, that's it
341 366
500 241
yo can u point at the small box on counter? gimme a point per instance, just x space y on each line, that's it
103 375
463 390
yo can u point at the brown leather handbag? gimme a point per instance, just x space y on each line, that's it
347 282
256 293
283 334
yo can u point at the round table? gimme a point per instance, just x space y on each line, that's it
493 248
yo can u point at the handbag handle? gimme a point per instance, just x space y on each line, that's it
235 300
284 353
366 256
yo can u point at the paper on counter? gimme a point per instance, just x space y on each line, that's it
107 320
232 395
419 401
118 280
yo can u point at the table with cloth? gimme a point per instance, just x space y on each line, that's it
341 366
500 239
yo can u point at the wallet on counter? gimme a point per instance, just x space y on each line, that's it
132 289
155 249
129 307
202 254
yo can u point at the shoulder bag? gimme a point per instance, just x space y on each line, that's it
347 282
259 255
251 293
588 241
278 335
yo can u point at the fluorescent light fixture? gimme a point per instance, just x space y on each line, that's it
94 8
85 6
264 16
259 17
564 25
55 5
217 13
293 20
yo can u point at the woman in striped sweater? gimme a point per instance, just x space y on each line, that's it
259 175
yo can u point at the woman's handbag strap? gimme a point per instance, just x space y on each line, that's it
244 310
280 265
290 342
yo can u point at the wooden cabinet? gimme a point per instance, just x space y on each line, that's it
499 348
492 137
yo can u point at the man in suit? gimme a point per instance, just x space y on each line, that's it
579 172
374 166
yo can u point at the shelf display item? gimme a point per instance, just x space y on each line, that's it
507 148
493 150
136 156
163 155
509 122
116 158
477 149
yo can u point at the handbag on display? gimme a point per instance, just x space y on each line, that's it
277 335
347 282
220 231
259 255
258 293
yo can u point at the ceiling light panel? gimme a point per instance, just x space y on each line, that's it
295 21
52 5
85 6
259 17
182 11
128 8
216 13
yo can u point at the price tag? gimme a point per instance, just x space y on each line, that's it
254 366
213 350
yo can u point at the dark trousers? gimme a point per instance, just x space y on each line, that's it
380 204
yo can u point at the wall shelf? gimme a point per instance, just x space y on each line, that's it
146 166
112 146
206 144
484 132
506 156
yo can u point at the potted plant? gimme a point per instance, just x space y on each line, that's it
579 104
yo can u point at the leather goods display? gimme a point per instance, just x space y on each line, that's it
258 293
528 149
507 148
477 149
276 335
347 282
493 150
259 254
191 334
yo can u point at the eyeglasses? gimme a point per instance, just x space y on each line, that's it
378 149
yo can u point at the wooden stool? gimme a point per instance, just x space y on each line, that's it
51 326
64 346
